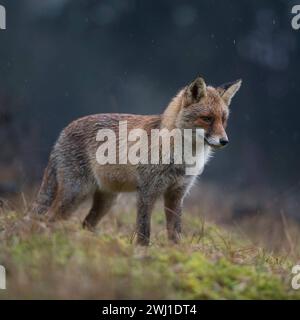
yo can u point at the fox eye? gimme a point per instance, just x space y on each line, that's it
207 119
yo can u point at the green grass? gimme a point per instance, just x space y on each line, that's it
64 261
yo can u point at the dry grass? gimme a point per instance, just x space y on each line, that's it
228 262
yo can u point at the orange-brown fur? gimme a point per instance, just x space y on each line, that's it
73 173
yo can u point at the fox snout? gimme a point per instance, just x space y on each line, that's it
216 141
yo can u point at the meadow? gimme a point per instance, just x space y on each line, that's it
215 260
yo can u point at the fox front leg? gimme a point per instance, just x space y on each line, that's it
145 203
173 200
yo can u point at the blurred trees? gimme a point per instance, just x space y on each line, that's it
63 59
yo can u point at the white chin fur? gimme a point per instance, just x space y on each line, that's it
213 142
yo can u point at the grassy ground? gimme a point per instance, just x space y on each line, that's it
64 261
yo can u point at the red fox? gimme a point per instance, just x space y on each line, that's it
73 173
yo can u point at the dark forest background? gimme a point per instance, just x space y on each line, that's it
62 59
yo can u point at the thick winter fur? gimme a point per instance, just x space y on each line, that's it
73 173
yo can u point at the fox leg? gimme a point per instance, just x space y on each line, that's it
173 200
102 202
68 198
145 203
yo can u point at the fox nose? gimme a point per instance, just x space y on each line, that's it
223 141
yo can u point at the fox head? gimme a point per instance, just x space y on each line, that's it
207 108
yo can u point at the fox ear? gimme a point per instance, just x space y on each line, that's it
228 90
196 90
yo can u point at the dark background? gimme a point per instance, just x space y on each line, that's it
62 59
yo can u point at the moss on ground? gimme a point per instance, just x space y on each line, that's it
64 261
